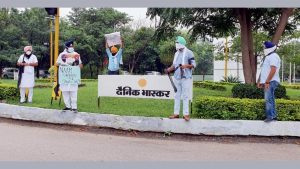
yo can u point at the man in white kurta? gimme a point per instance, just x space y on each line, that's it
28 61
69 91
183 64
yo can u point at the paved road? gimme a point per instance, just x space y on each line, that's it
31 143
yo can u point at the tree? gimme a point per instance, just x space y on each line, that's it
87 27
204 56
138 48
23 28
224 22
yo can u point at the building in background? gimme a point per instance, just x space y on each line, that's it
234 69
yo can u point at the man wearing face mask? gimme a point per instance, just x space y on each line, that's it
183 64
69 91
26 62
269 79
114 59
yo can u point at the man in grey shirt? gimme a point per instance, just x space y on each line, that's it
269 79
183 64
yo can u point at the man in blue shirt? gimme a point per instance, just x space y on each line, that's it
114 59
269 79
183 64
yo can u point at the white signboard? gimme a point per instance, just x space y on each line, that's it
137 86
113 38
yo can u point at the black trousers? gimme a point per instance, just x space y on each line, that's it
113 72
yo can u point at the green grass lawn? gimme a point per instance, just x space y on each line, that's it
87 101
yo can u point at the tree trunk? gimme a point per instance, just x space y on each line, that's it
131 67
285 14
246 60
253 59
0 70
91 70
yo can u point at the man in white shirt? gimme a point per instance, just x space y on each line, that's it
26 63
69 91
269 79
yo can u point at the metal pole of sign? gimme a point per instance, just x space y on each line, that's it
59 100
98 102
191 107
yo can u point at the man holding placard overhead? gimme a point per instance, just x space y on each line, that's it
113 53
69 58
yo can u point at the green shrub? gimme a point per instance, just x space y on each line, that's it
210 86
243 109
252 92
8 91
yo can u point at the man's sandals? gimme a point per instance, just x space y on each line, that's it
185 117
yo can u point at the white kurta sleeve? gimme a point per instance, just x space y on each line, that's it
59 60
34 59
80 62
20 60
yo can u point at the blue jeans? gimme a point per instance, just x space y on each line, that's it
271 112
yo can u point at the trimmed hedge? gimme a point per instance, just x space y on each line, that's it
48 80
243 109
8 91
292 86
252 92
50 86
210 86
221 83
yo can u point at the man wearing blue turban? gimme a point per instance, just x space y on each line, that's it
69 91
269 79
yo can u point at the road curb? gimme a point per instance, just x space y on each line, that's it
153 124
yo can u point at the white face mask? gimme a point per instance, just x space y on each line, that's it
179 46
70 50
269 50
28 52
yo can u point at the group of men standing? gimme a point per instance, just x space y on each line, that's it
183 64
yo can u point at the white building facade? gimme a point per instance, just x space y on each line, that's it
234 69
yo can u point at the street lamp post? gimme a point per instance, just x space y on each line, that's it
54 12
226 57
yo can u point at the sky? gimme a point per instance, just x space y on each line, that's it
138 15
135 13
